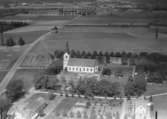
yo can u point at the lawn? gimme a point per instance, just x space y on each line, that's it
2 74
65 105
8 56
27 76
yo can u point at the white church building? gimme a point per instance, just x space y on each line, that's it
79 65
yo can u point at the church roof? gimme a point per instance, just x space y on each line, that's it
82 62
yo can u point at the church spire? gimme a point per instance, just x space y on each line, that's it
67 49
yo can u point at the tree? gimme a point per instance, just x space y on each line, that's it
4 106
10 42
100 53
117 54
21 42
111 54
72 53
78 54
83 54
136 87
95 54
106 71
1 32
15 90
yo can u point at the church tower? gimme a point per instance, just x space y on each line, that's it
66 56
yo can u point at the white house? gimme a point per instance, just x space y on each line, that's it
79 65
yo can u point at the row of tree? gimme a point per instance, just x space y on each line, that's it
11 42
92 87
156 57
5 26
44 82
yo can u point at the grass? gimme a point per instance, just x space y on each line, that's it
109 20
28 76
2 74
38 17
39 26
8 57
156 89
115 39
65 105
28 37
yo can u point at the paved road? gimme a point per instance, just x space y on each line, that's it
123 110
13 70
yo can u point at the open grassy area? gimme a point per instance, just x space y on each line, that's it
2 74
8 56
27 76
153 89
65 105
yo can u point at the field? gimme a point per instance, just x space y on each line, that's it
28 36
37 17
111 39
109 20
39 26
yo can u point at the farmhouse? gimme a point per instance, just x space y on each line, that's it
79 65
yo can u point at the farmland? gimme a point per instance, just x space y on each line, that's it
28 36
38 26
117 39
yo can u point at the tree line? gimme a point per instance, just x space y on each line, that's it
105 56
11 42
5 26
